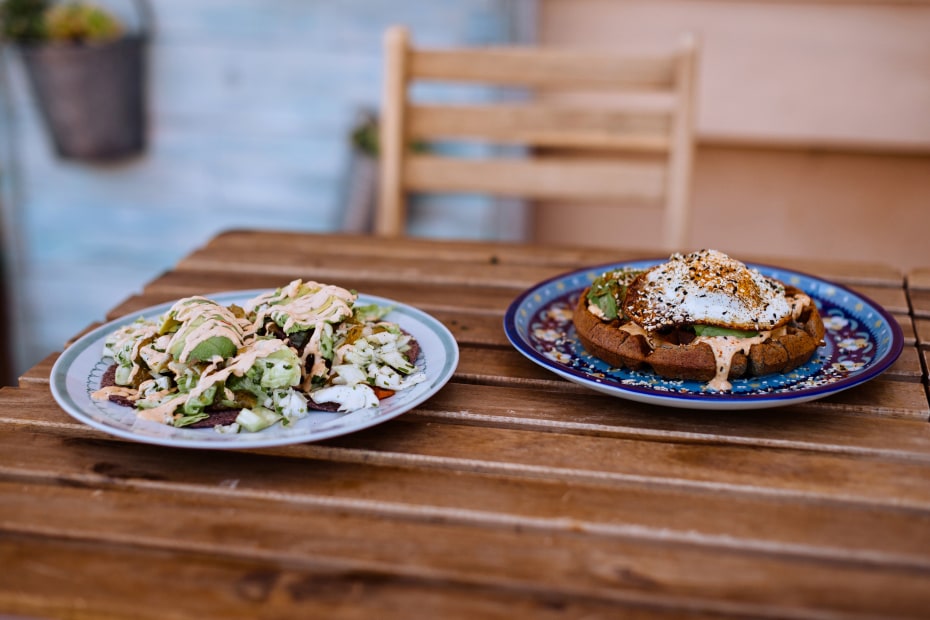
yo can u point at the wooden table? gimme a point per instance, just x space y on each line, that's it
510 493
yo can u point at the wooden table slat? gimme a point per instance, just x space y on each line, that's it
620 569
493 366
493 501
806 427
682 462
80 578
279 245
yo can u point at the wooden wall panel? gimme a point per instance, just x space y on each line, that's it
847 74
779 203
813 126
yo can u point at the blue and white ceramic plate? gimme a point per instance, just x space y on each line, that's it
862 340
77 373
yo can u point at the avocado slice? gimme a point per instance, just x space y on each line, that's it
711 330
215 345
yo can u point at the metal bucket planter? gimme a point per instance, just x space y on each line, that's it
92 96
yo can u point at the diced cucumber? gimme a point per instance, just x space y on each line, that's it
259 418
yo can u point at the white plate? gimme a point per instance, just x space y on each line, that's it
862 340
77 373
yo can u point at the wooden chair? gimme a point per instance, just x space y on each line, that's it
640 135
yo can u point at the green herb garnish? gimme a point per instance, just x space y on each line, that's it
608 292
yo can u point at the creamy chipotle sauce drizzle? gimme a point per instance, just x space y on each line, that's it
303 303
723 347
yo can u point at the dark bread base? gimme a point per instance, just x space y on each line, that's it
696 361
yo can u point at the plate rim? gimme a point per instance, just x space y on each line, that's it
59 373
703 400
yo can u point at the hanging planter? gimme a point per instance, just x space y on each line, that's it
89 79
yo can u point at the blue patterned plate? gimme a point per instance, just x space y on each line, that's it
862 340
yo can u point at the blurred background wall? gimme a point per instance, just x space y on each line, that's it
813 124
252 103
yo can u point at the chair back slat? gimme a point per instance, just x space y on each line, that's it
543 125
541 179
528 67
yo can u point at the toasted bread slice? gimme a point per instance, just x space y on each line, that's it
612 343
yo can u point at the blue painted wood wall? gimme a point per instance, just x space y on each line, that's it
251 103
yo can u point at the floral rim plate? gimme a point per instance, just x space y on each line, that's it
862 340
77 373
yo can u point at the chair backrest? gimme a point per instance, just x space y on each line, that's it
637 128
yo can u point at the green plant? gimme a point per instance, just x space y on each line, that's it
22 21
37 21
81 22
365 136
